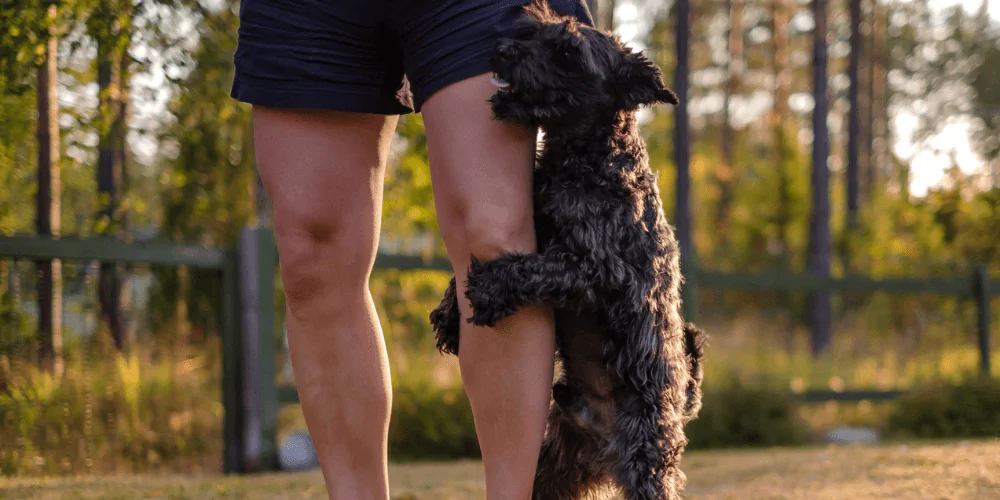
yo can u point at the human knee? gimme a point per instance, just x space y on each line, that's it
490 233
322 261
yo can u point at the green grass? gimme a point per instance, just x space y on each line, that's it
956 470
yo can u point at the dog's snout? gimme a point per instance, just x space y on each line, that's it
507 49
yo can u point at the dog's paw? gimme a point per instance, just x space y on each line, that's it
506 109
488 320
487 292
486 310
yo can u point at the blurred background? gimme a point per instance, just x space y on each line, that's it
868 147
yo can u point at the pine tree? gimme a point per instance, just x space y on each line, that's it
819 221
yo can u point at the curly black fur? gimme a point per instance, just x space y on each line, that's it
607 261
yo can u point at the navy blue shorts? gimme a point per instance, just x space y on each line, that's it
353 55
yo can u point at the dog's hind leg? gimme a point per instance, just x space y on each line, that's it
445 320
564 471
648 452
694 350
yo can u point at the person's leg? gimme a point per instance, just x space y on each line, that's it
482 174
323 172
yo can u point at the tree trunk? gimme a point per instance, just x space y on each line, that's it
183 333
15 287
109 170
819 227
47 221
877 95
780 122
779 19
865 102
682 144
726 171
603 13
4 284
592 7
780 119
124 219
853 123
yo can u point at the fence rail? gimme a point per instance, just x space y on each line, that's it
963 286
223 260
251 397
977 286
109 250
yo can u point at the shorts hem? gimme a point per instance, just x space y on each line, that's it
475 65
333 99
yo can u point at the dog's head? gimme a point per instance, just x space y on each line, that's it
558 72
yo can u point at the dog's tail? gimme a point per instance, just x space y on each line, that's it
694 348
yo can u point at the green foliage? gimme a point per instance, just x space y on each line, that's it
404 300
948 409
18 149
206 180
24 28
431 416
985 80
431 422
16 336
111 413
768 236
737 414
408 200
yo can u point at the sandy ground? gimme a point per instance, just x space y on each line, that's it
966 470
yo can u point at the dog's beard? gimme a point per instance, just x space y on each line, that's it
499 82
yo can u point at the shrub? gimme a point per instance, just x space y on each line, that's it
431 422
970 408
736 414
111 414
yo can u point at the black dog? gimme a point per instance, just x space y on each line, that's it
607 261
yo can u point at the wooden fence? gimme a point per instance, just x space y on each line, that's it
251 396
224 261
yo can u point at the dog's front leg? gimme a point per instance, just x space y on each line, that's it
500 286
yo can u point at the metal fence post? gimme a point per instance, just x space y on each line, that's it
982 291
268 265
232 361
257 267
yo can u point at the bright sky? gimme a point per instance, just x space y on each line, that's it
929 160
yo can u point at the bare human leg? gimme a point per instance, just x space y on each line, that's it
482 174
323 171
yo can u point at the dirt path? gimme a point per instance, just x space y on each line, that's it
939 471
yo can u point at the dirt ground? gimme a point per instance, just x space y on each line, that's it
966 470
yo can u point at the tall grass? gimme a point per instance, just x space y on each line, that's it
159 407
112 412
758 353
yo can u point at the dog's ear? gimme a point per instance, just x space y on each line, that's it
540 11
640 82
532 17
